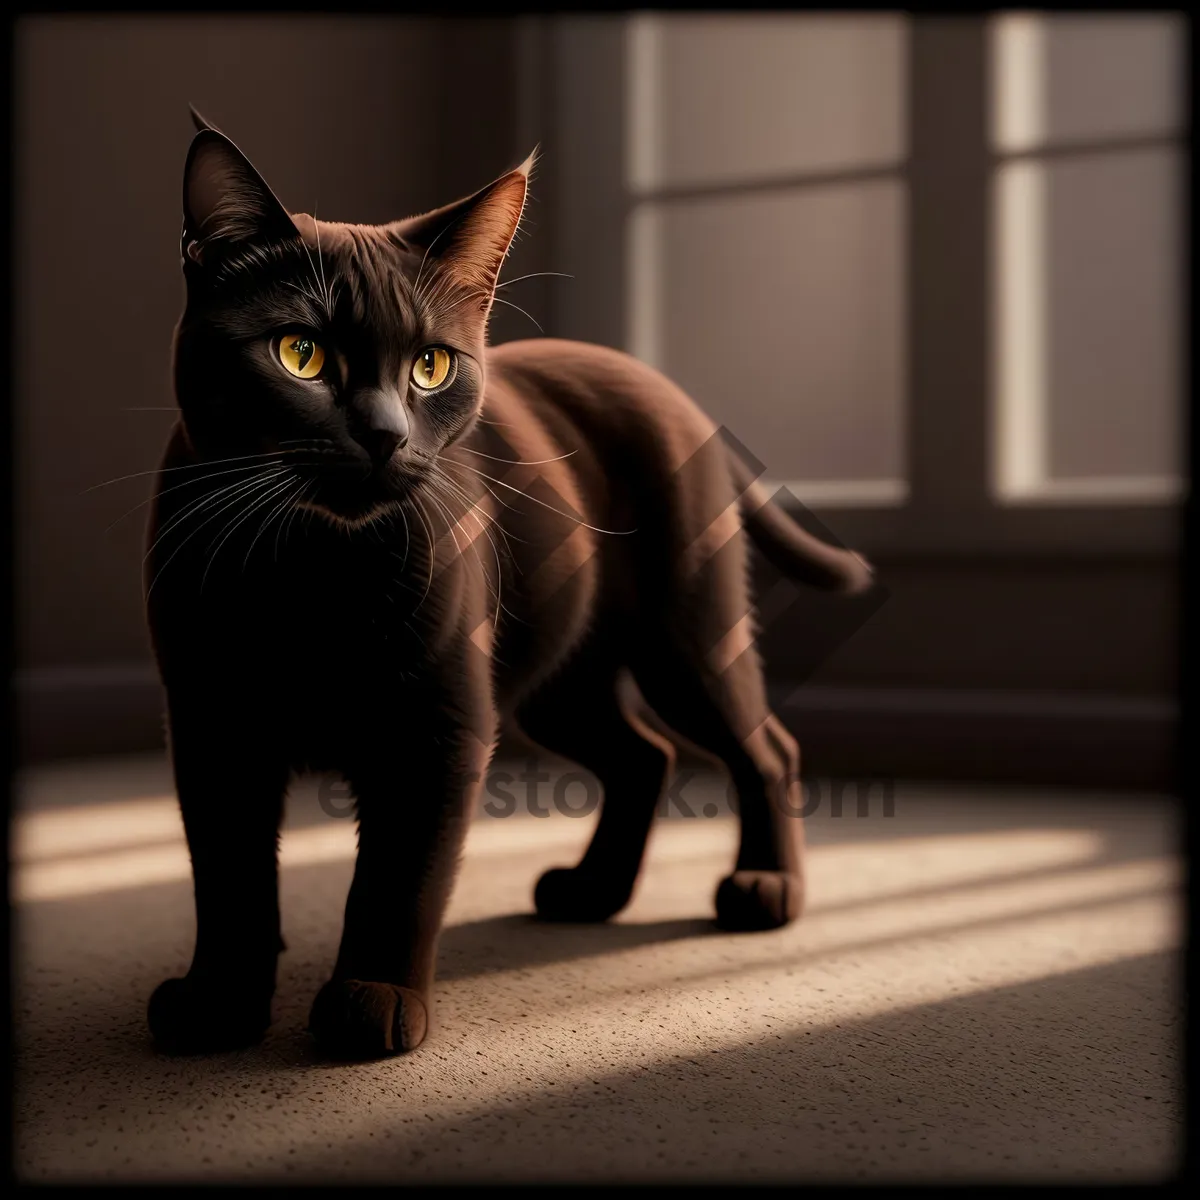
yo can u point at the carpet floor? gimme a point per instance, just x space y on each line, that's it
986 986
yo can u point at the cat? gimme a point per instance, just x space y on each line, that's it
375 540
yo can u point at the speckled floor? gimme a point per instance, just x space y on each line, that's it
985 987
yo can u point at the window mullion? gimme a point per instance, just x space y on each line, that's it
948 220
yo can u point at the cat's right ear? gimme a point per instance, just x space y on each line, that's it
226 202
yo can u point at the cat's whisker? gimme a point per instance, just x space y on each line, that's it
437 475
321 263
499 499
250 493
501 300
451 523
432 551
470 510
207 500
174 488
196 466
517 462
435 290
533 275
484 529
162 470
490 517
569 516
486 518
244 489
314 295
468 294
478 294
407 537
383 526
263 498
416 292
308 292
277 511
285 525
320 295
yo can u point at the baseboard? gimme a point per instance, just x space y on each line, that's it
73 712
1065 739
1062 739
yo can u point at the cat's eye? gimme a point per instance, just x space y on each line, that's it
431 367
301 355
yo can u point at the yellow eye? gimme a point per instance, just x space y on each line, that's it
302 357
431 368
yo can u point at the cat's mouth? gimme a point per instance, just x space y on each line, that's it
353 497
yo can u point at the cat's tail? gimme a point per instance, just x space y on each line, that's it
790 548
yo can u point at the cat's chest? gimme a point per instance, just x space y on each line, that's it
334 617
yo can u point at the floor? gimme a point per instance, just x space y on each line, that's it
986 987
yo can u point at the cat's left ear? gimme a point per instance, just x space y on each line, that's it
226 201
472 237
199 120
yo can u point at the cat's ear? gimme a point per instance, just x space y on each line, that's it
199 121
226 201
471 237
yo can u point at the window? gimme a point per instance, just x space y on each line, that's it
767 235
928 269
1086 114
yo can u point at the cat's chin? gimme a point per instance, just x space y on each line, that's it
355 518
355 503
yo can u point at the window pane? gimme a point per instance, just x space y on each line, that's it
783 316
1090 275
1067 78
719 99
1114 293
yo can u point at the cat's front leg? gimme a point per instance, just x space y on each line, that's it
414 809
231 791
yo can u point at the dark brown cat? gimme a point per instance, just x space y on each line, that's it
375 540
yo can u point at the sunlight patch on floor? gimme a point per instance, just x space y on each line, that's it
91 849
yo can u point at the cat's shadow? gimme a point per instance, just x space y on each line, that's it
520 940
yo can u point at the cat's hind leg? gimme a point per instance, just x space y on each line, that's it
724 712
579 715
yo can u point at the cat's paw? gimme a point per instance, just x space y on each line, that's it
749 900
189 1018
571 894
354 1019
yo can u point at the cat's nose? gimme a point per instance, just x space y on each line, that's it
381 444
382 426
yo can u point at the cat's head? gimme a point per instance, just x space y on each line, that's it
354 352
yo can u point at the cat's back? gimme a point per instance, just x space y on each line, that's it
605 391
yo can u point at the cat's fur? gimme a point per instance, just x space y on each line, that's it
390 577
